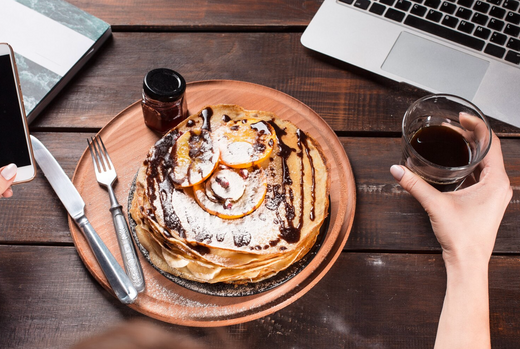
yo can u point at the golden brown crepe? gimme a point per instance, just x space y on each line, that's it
248 221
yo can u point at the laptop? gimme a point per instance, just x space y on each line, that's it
468 48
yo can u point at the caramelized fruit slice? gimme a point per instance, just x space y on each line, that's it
195 158
232 193
244 143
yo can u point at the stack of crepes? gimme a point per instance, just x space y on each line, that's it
230 195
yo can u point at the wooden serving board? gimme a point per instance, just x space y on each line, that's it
128 140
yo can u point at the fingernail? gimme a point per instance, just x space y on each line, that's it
9 171
397 171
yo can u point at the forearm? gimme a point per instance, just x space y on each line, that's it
464 321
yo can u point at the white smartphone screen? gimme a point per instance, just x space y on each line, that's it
14 144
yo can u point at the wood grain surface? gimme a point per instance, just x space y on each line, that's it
384 300
175 15
352 101
387 286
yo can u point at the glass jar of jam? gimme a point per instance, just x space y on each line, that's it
163 103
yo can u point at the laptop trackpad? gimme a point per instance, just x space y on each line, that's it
435 66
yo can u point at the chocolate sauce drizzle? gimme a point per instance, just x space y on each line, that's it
204 236
241 238
200 147
206 115
159 164
290 227
171 220
303 142
289 231
261 127
284 153
202 250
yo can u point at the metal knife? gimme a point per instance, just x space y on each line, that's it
69 196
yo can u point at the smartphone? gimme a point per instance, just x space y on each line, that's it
15 143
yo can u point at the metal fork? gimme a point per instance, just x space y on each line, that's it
106 176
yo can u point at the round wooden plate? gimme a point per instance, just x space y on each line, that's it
128 140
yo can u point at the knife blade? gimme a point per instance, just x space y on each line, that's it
69 196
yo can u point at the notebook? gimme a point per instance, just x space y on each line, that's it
52 40
467 48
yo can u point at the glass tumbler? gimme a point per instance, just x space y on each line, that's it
444 137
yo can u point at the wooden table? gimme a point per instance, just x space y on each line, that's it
385 290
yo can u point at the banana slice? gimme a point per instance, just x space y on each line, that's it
232 193
245 142
195 158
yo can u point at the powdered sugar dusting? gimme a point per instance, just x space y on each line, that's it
171 304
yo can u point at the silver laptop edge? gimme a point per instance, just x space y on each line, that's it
402 54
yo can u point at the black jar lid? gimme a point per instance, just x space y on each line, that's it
164 85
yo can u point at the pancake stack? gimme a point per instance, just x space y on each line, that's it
230 195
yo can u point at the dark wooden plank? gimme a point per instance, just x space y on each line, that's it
202 15
349 99
391 219
367 300
387 218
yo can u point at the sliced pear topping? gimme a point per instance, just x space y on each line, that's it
194 158
245 142
232 193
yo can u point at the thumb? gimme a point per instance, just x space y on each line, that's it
415 185
7 175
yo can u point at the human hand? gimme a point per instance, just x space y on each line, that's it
8 174
466 221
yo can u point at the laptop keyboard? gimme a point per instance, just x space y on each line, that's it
491 26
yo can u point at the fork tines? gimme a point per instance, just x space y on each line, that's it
99 154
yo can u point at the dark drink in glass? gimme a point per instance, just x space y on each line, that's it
444 139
